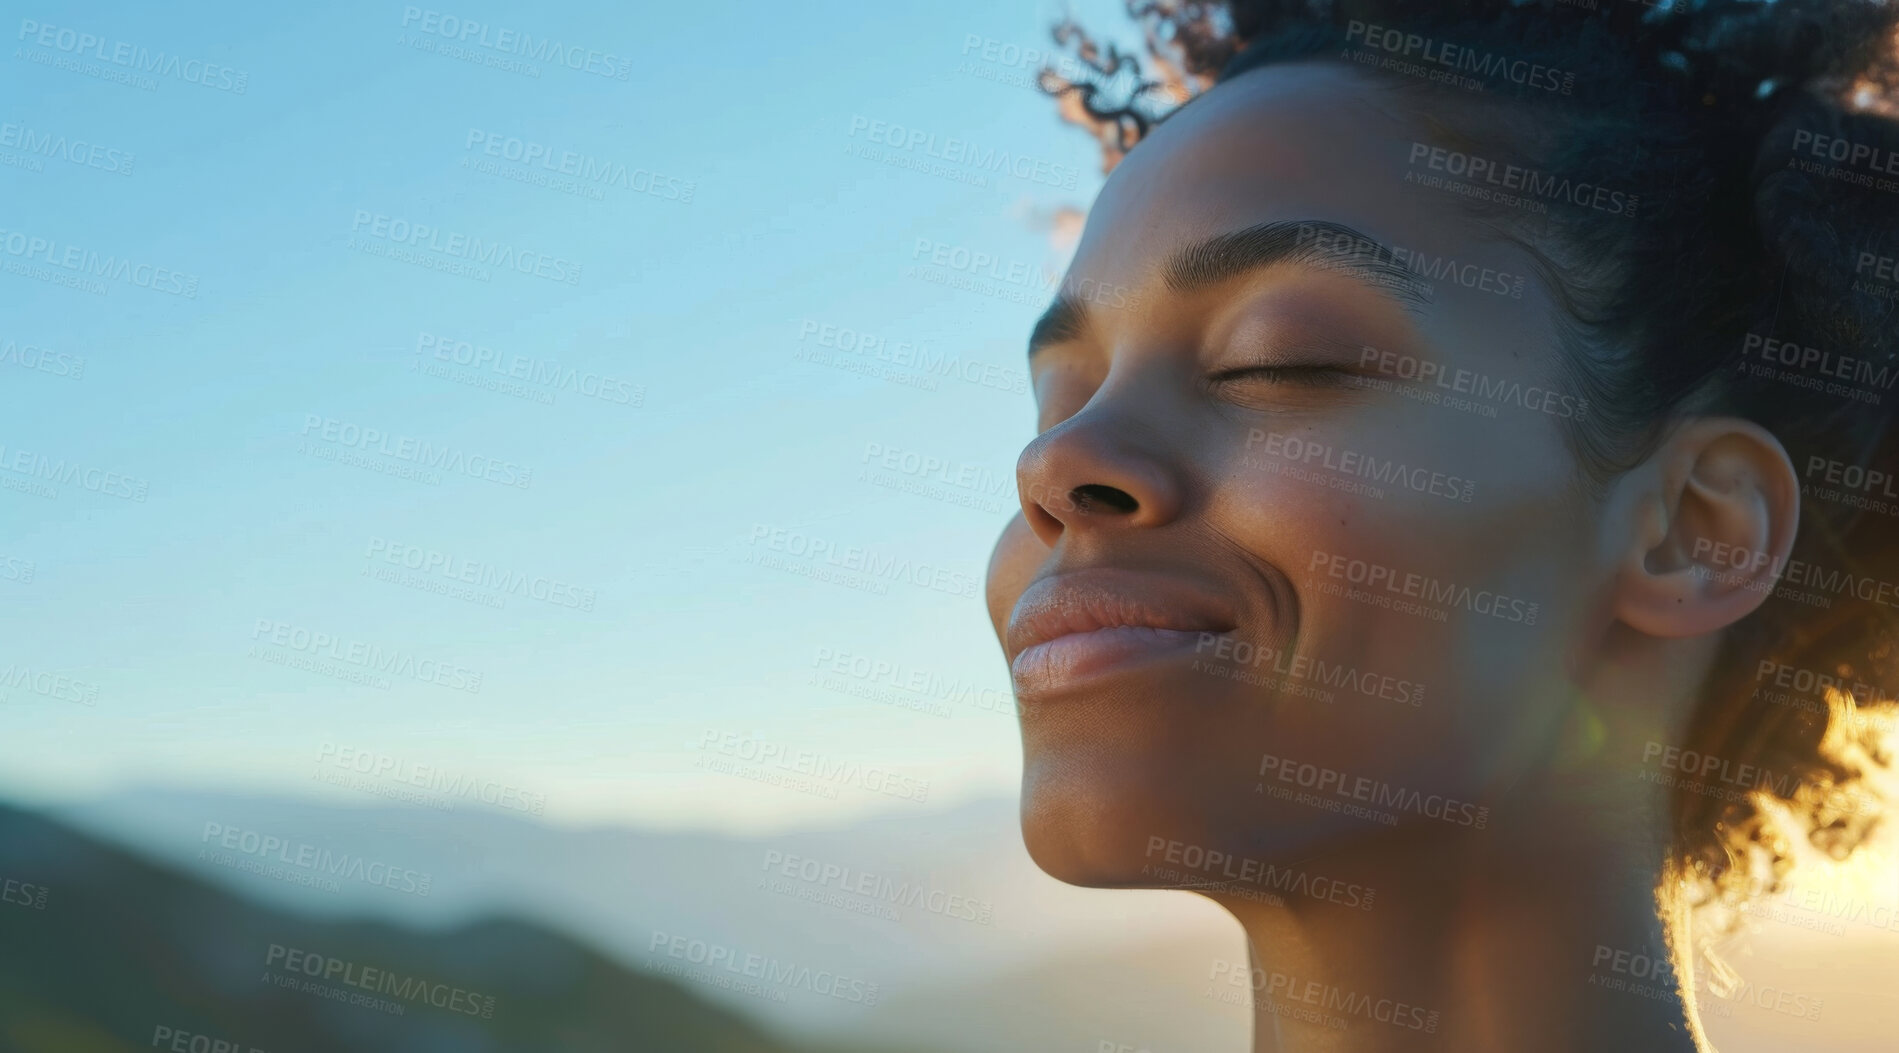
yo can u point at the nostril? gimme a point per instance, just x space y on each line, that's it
1042 521
1088 495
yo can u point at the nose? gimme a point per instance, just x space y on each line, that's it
1104 468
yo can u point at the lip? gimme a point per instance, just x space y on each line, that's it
1071 628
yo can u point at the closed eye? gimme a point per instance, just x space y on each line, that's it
1308 373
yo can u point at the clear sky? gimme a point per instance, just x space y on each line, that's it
377 385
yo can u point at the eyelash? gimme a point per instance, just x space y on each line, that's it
1334 375
1315 374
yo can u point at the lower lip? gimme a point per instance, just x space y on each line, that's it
1068 661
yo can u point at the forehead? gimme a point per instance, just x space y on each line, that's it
1300 141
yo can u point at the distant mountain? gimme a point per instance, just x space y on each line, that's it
102 952
972 949
913 903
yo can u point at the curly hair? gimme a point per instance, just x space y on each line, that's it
1743 234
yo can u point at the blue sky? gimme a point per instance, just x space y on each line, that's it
641 416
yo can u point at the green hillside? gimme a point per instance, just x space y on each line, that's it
99 950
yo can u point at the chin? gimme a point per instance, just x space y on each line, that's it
1116 814
1095 822
1078 846
1105 776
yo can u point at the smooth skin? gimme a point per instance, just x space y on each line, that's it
1173 438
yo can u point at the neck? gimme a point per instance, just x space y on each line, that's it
1540 932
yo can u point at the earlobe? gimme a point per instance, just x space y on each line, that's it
1711 540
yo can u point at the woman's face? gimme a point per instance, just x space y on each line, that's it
1343 518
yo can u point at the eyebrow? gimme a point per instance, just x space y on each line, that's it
1318 244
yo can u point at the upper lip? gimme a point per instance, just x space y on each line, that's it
1101 598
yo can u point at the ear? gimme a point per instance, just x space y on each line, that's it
1714 527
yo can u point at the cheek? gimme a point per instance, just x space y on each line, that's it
1399 578
1012 566
1471 604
